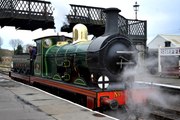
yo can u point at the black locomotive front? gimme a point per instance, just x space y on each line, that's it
111 53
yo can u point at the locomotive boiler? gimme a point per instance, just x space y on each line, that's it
98 62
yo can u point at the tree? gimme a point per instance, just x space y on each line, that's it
15 42
1 42
19 50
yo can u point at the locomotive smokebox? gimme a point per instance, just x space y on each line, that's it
102 57
111 25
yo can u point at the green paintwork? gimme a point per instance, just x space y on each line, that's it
43 45
80 81
57 77
66 77
78 51
49 62
60 60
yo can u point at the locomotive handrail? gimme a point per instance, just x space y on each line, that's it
125 52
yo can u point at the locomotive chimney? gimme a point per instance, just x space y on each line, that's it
111 25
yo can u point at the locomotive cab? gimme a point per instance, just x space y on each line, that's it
44 64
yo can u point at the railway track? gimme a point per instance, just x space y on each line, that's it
159 112
170 111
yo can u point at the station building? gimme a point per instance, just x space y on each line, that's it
160 39
168 53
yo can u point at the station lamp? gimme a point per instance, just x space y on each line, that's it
136 8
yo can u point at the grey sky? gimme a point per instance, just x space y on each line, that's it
162 18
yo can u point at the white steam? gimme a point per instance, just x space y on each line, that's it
140 97
61 9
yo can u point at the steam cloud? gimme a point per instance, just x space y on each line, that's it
140 97
61 9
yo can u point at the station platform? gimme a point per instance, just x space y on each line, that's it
22 102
